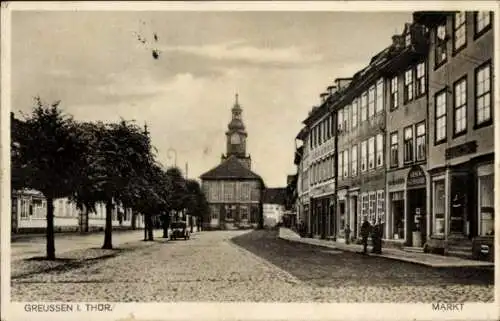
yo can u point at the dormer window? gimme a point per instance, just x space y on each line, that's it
459 31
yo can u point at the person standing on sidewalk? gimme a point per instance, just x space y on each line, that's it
365 232
347 232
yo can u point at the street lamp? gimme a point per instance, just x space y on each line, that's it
169 151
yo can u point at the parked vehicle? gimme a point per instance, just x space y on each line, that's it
179 230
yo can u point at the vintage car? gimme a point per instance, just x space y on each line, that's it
179 230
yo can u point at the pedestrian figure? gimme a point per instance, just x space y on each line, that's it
347 232
365 232
377 238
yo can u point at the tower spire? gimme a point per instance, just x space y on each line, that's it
236 99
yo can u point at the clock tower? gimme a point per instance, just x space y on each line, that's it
236 136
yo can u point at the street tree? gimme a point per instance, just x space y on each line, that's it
48 157
178 194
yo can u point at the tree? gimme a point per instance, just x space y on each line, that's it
179 193
48 153
196 205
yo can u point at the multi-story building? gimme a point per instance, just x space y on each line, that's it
320 165
233 191
461 134
406 74
301 160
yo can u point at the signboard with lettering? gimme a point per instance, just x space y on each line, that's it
416 177
461 150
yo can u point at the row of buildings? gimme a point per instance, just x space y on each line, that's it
407 141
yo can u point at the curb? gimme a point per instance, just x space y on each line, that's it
397 258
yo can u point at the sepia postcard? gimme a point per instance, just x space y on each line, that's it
267 160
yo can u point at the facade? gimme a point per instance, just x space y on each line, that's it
461 135
273 206
320 164
411 143
29 213
232 190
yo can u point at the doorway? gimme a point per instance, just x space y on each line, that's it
354 215
416 202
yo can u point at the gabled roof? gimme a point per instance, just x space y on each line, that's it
231 168
274 196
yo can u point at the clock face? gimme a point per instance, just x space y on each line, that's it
235 139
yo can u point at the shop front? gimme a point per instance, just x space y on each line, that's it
416 222
396 222
343 214
322 204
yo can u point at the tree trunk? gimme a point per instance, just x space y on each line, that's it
146 227
108 243
51 249
150 228
191 223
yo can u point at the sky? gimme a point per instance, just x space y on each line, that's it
277 62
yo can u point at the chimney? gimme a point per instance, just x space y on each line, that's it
397 41
331 90
323 97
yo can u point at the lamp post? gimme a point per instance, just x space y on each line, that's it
169 151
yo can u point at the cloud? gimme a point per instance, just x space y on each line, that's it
240 52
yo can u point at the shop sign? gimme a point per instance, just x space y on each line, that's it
461 150
396 181
416 177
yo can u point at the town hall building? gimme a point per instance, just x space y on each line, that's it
232 189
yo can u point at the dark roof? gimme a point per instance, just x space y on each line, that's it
274 196
231 168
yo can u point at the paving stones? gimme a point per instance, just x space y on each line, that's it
231 266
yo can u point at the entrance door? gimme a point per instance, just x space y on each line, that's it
416 215
354 214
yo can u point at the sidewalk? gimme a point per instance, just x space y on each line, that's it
432 260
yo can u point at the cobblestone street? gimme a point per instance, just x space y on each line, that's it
240 266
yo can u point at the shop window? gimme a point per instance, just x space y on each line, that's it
394 93
439 207
380 206
441 50
372 207
483 95
354 113
371 102
486 205
421 145
420 73
364 206
459 31
244 212
397 212
379 106
394 149
25 208
364 102
460 107
342 215
408 92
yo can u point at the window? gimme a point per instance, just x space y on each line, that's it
363 156
310 141
440 123
420 73
439 205
380 150
346 163
459 31
364 206
379 106
408 93
408 144
354 160
340 168
371 153
394 93
214 211
483 95
340 120
327 126
421 150
460 107
380 206
228 191
372 207
441 50
371 102
354 113
486 205
346 118
320 134
482 22
394 149
24 208
364 101
332 124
